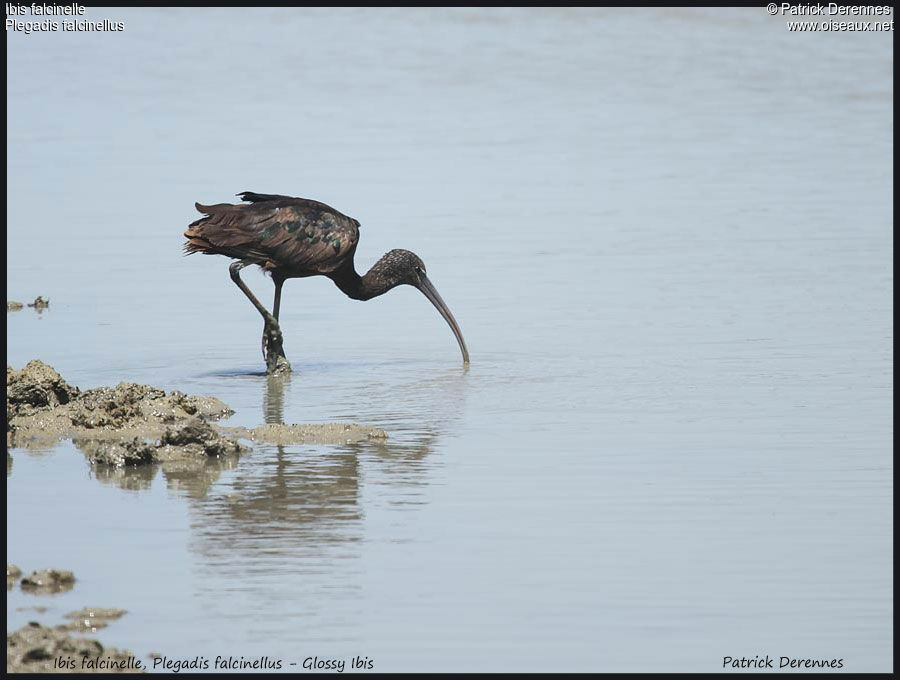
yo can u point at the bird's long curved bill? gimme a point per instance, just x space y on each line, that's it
431 293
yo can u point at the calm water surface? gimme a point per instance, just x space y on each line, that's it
667 237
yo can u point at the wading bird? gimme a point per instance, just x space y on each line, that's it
297 237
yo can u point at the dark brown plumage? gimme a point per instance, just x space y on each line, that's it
291 236
298 237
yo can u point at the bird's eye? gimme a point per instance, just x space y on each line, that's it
419 270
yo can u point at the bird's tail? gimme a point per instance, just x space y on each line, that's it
196 243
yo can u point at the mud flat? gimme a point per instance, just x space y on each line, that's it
130 424
42 408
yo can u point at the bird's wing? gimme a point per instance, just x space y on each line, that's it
253 197
292 236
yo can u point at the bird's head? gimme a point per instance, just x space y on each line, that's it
402 267
399 267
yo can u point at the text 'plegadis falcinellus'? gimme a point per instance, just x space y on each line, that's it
297 237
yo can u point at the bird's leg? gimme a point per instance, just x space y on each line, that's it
272 343
273 350
276 305
279 282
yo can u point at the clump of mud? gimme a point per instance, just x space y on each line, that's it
35 387
39 649
197 437
39 304
45 581
12 573
126 454
129 405
42 407
194 439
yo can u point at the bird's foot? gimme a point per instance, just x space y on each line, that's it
273 348
277 365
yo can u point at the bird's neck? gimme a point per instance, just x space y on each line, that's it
360 287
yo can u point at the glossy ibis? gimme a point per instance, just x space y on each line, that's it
297 237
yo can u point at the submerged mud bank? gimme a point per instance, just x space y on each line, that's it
91 619
331 433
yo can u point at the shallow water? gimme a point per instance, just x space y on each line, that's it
667 237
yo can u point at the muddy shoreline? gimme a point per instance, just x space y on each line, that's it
142 424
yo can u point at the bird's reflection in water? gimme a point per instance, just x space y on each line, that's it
291 522
422 413
311 490
314 489
273 398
